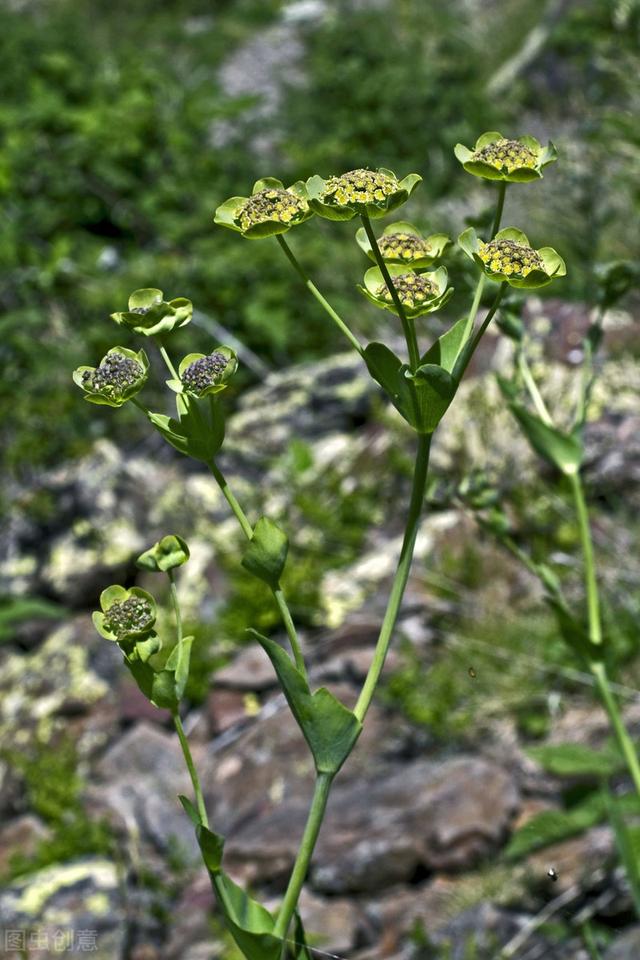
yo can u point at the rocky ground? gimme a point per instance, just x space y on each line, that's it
410 863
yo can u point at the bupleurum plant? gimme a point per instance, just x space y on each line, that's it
406 281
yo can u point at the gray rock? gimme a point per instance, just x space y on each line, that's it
71 906
625 947
137 784
423 816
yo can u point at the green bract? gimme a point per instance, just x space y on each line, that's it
371 192
119 376
509 257
401 242
170 552
419 293
125 614
272 208
494 157
203 374
149 314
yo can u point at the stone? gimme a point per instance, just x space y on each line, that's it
137 783
626 946
331 924
227 708
20 836
68 906
250 671
423 816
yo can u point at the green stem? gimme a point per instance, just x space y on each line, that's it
191 767
590 581
176 604
307 844
474 307
401 576
277 592
167 360
532 387
464 359
407 325
610 704
337 319
590 941
502 189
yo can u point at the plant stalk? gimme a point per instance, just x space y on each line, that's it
590 581
278 594
610 704
401 576
407 325
191 767
307 844
465 357
502 189
337 319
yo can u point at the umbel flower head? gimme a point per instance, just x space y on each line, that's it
419 293
272 208
203 374
371 192
125 615
149 314
510 257
401 242
494 157
118 377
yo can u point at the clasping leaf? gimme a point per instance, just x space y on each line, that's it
329 728
266 554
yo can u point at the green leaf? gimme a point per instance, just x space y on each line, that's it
446 349
435 389
301 949
388 370
250 924
192 434
564 450
266 554
190 810
157 686
576 760
551 826
329 728
178 662
211 844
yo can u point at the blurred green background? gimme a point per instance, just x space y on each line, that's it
122 126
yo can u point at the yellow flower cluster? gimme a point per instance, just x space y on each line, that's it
509 258
412 289
271 204
359 186
506 154
403 246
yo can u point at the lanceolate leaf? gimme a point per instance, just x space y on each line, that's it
576 760
266 554
329 728
563 450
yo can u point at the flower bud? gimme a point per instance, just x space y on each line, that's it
150 315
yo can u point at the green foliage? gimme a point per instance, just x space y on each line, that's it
17 610
53 790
